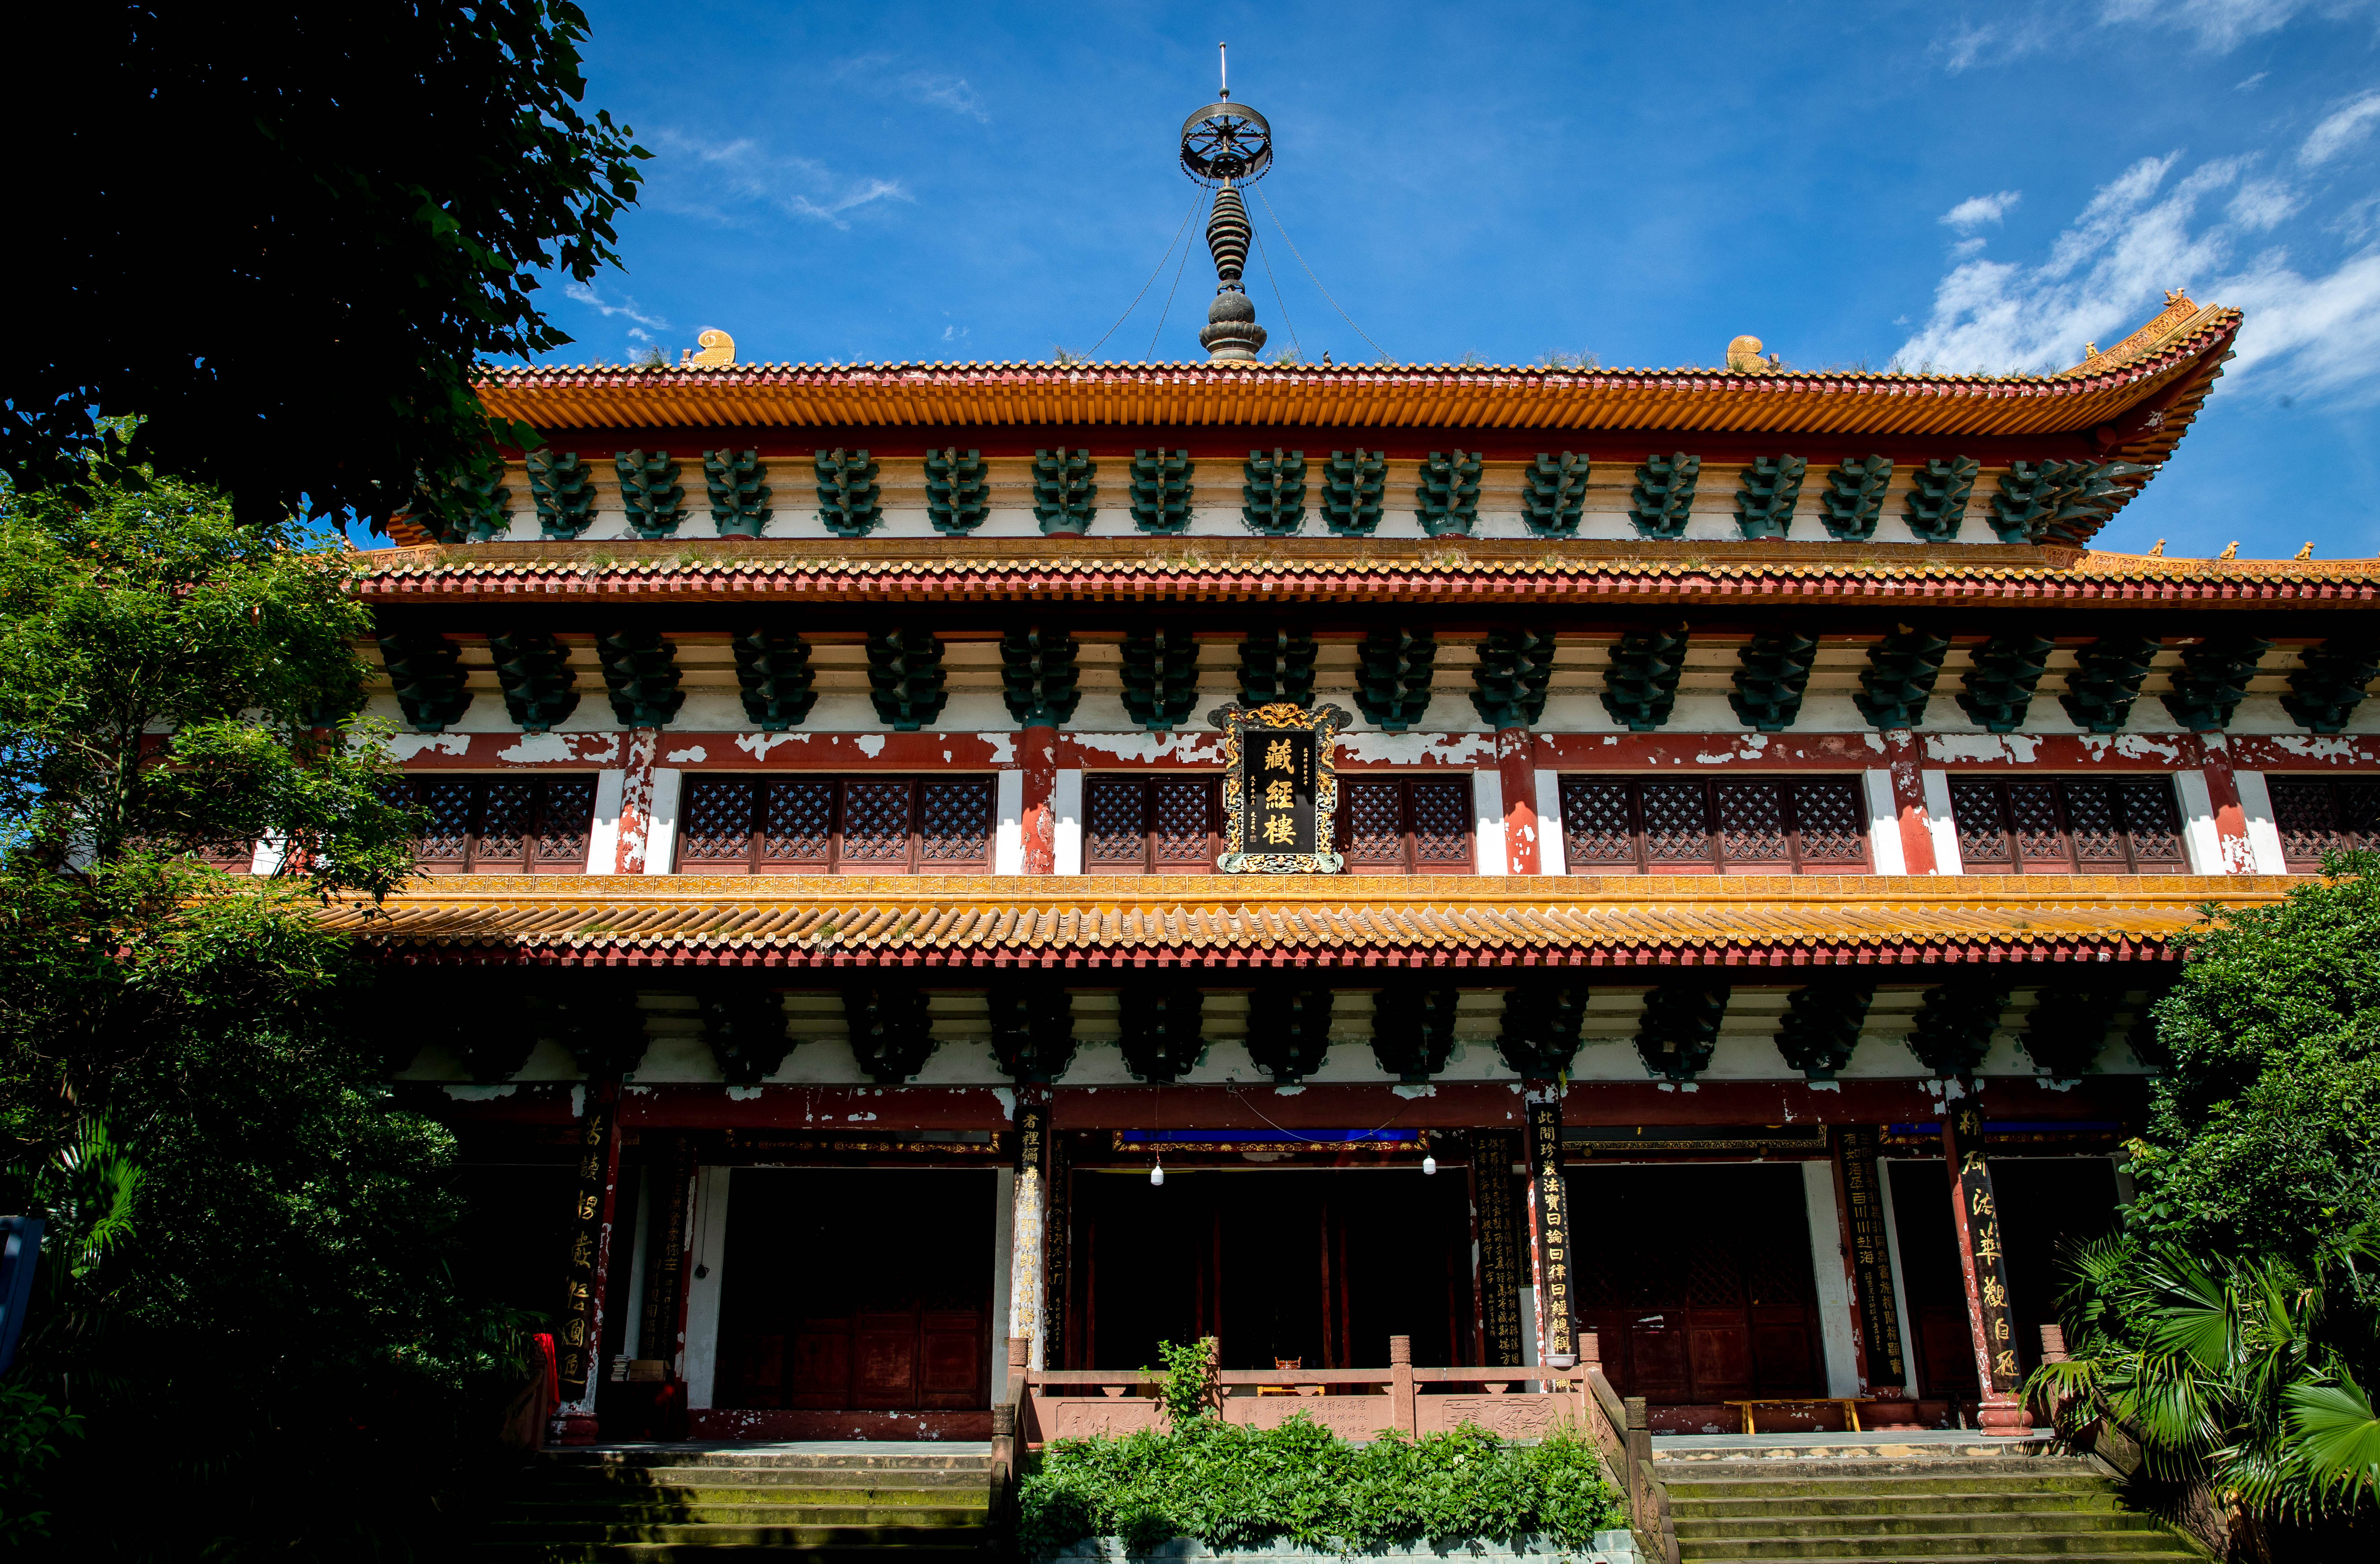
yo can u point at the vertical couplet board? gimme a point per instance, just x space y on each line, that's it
1057 1249
1880 1314
1550 1214
665 1254
1500 1252
1984 1258
1029 1313
1281 788
599 1166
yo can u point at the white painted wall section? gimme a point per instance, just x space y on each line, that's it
1008 836
604 840
1553 849
1487 833
632 1343
660 839
1941 824
1834 1288
1883 823
2264 836
1004 1227
1066 806
2200 840
706 1271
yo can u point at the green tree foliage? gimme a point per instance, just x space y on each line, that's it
294 230
246 1295
1231 1487
2232 1328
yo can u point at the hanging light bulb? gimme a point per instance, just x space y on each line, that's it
1157 1174
1429 1164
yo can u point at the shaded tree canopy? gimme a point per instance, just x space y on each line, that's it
286 235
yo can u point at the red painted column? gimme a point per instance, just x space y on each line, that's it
2230 816
636 800
1040 754
1516 763
1982 1266
580 1345
1902 760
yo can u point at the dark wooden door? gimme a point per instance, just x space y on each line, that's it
1710 1298
1932 1285
857 1290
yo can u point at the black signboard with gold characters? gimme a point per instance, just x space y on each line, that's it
1281 788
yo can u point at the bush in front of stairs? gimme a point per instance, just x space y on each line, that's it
1231 1487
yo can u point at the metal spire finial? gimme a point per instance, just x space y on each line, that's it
1223 145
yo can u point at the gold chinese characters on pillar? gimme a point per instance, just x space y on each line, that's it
1281 788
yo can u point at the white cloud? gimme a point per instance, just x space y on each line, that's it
2262 204
2221 25
2140 234
934 88
1976 211
582 293
714 179
2347 125
2244 86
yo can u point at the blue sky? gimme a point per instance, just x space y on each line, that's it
1851 183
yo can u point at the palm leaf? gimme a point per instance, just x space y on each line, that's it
2338 1436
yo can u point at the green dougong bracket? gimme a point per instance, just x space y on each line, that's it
1392 674
1771 672
1765 492
1277 668
1446 501
1160 678
1999 684
650 495
1821 1026
1037 676
1854 498
427 670
1351 486
738 486
1161 489
1640 678
1272 501
2324 691
1510 677
1553 492
640 672
1542 1024
958 493
2212 680
1663 501
1953 1029
1065 492
1936 501
906 678
775 676
1898 679
2105 680
562 490
1412 1031
851 503
534 669
1679 1028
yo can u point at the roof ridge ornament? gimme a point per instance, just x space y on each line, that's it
1223 145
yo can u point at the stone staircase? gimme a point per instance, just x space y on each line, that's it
822 1504
1956 1502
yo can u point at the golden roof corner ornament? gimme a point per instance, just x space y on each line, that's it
1743 356
2306 552
2089 351
718 347
2176 296
2157 552
2230 550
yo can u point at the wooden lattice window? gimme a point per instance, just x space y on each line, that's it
1152 825
503 825
2318 815
836 825
1703 825
2067 825
1405 826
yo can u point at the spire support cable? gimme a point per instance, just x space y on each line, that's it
1317 281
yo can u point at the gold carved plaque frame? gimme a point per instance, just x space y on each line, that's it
1243 726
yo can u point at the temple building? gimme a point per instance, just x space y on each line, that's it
1661 866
